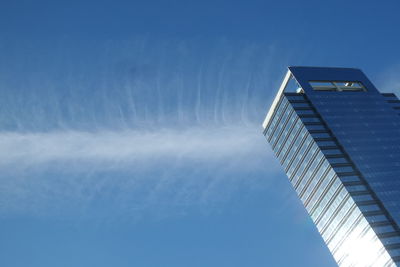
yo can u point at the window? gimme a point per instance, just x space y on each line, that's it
320 135
377 218
349 178
356 188
300 104
332 152
295 97
304 111
343 169
383 229
337 160
337 86
391 240
326 143
359 198
317 127
394 252
310 119
368 208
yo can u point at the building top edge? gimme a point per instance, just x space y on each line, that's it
276 99
304 74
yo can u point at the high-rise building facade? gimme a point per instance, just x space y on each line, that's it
338 139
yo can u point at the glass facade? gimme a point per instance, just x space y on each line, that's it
338 139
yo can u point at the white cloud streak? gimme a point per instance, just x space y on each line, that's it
133 124
196 143
130 172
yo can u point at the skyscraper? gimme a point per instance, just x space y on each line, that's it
338 139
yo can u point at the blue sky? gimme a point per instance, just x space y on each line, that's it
130 131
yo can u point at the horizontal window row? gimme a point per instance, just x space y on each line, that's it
377 218
314 115
296 136
340 160
320 135
300 105
274 135
304 108
370 213
341 169
338 165
343 226
322 184
318 127
345 174
316 168
359 182
316 206
356 188
280 138
317 131
299 155
317 171
295 97
304 163
361 198
290 138
388 235
345 219
312 123
382 226
383 223
389 240
337 86
282 131
396 260
366 203
332 151
377 255
281 107
304 111
326 143
381 257
301 100
349 178
326 199
356 231
306 120
395 253
369 208
328 147
336 212
297 144
383 229
314 181
318 139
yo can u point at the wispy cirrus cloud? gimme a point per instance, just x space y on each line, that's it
129 171
133 127
205 143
